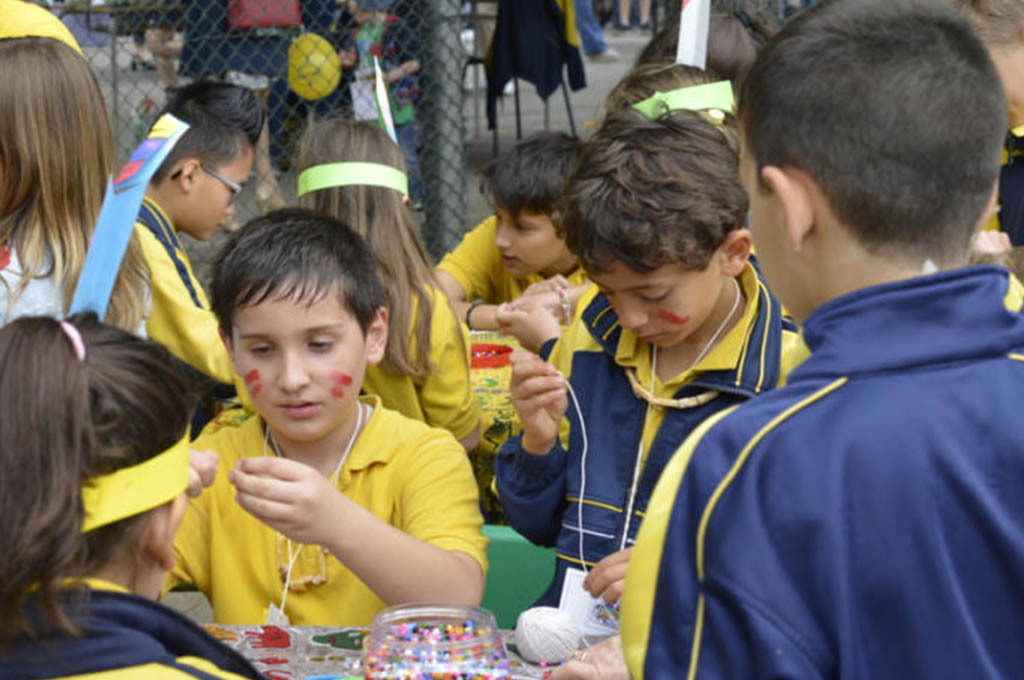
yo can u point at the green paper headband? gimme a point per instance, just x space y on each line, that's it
713 96
352 174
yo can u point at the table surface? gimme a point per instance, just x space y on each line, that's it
299 652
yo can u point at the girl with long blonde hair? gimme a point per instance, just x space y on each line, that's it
425 372
56 154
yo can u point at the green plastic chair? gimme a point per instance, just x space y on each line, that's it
519 572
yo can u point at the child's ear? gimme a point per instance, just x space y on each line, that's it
377 336
793 192
158 539
735 252
186 175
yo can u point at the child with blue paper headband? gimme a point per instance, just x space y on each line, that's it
96 466
354 172
55 170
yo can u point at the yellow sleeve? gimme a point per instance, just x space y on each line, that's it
159 671
476 264
446 394
437 496
190 333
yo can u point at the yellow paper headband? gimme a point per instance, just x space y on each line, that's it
716 96
352 174
136 489
23 20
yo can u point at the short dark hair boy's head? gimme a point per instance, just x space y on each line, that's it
223 120
652 192
530 175
894 108
300 255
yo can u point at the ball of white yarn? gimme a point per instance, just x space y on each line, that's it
546 634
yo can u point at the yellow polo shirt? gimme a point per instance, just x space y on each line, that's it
414 477
476 264
443 397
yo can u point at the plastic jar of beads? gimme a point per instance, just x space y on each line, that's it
427 641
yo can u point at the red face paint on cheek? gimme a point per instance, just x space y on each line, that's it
666 315
252 381
341 381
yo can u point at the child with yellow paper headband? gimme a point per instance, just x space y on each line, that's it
683 328
327 506
95 461
354 172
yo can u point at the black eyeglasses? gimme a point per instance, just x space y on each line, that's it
234 187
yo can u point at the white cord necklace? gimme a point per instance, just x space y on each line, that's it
334 482
640 446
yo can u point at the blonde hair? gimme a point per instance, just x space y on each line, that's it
57 152
381 217
998 22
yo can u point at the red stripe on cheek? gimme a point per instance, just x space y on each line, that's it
339 378
252 381
666 315
337 392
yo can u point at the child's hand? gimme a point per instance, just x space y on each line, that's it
607 577
603 661
347 57
990 243
289 497
531 327
539 395
549 285
202 470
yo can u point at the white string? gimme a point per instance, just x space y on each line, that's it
640 447
334 482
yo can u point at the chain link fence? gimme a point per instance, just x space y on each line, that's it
142 49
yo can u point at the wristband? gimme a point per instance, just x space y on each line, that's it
469 311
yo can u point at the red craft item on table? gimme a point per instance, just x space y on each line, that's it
483 355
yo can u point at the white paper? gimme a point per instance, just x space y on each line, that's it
276 617
694 22
594 616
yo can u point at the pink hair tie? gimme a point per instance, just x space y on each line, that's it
76 339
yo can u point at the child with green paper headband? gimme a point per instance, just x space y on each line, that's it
354 172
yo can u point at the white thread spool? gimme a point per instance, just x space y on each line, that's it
546 634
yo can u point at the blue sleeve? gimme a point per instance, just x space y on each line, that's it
532 490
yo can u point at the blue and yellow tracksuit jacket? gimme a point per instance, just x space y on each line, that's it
124 637
866 520
541 494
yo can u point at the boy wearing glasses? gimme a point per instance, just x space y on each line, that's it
194 192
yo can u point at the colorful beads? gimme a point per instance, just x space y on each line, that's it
435 642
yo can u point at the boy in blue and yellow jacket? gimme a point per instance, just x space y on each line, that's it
866 520
194 192
683 327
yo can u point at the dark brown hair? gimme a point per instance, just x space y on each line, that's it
63 421
733 43
907 175
652 192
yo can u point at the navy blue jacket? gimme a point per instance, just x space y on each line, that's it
540 494
867 520
119 631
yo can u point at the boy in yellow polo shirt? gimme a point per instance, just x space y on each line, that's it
327 507
515 255
194 192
